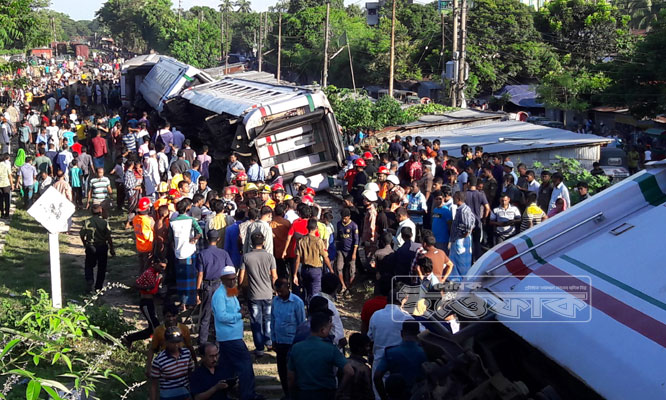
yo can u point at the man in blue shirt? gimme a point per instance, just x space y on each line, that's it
402 362
210 263
207 381
311 363
417 205
287 313
442 218
234 356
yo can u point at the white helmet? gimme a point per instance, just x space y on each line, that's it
301 180
393 179
372 187
370 195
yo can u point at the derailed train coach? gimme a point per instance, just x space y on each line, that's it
289 127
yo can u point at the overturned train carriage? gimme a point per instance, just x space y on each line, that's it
573 308
291 128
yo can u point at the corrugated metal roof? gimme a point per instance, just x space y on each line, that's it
235 96
608 249
509 137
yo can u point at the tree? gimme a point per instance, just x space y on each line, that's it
244 6
640 78
643 13
586 31
503 45
17 19
140 25
566 89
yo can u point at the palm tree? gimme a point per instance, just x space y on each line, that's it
244 6
226 6
643 12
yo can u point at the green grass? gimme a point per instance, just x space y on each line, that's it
24 266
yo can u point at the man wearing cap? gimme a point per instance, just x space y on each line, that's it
170 370
351 157
360 180
259 269
300 184
96 237
143 225
508 170
371 169
234 355
265 196
210 263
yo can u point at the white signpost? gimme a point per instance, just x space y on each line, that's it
53 211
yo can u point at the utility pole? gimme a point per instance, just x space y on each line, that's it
279 54
443 37
326 34
221 34
180 7
454 81
55 41
461 63
392 55
261 39
351 66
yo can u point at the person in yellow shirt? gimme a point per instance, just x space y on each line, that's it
81 132
28 97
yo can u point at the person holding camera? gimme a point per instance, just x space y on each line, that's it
206 381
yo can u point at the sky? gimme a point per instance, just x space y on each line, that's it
78 9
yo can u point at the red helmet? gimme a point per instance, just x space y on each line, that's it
360 163
241 176
310 191
367 155
233 189
308 199
277 187
144 204
383 170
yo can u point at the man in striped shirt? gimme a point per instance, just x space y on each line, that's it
170 370
99 192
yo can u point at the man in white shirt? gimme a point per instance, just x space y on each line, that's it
385 327
532 184
403 220
54 134
505 218
151 174
559 190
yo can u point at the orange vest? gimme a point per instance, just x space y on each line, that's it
143 231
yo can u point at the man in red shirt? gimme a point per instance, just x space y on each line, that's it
299 228
376 303
99 150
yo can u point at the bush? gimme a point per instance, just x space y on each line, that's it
57 351
573 172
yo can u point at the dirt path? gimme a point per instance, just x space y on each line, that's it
123 269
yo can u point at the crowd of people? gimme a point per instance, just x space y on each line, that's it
411 216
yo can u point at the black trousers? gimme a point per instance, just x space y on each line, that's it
5 200
96 255
476 243
207 290
282 353
147 307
